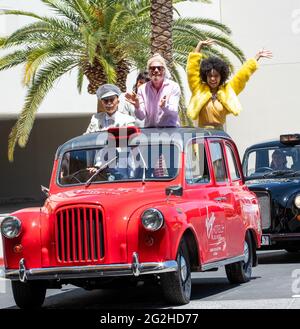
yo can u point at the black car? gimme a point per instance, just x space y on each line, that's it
272 172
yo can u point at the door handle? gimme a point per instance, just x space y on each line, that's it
220 198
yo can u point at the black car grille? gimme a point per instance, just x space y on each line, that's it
79 234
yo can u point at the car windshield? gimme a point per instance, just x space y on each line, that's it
107 164
272 162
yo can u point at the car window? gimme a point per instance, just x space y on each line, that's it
232 164
218 161
155 162
259 162
196 167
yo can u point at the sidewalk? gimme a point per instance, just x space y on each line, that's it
7 209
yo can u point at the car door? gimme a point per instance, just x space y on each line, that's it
235 194
206 213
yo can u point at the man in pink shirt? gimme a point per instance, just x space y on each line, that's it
157 100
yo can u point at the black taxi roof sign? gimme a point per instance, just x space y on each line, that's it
290 139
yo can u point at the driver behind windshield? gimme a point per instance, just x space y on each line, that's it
278 161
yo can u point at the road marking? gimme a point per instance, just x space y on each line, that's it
296 296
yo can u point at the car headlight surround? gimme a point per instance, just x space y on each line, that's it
297 201
11 227
152 219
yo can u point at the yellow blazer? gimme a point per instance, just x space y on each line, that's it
227 93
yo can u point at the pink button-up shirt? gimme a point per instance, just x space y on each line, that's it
150 110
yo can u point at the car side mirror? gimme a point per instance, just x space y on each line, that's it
45 190
174 190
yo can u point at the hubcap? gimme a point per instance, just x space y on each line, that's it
246 252
183 269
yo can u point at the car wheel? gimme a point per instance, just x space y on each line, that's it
29 295
177 285
240 272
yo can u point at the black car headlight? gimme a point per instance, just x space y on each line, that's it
152 219
11 227
297 201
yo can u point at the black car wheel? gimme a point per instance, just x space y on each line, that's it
240 272
29 295
177 286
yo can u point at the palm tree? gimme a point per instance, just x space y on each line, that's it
101 39
161 14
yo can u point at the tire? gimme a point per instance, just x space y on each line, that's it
240 272
177 286
29 295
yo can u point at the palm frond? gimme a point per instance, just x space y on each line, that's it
191 21
108 69
84 11
19 13
80 79
64 9
36 93
15 58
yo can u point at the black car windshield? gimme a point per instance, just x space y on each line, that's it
272 162
107 164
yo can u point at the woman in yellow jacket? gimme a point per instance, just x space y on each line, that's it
213 97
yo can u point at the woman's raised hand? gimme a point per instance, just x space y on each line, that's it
201 43
263 53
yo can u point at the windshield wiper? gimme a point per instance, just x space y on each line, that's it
294 173
276 173
89 181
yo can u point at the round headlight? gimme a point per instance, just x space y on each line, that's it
297 201
11 227
152 219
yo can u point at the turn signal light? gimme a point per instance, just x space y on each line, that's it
18 248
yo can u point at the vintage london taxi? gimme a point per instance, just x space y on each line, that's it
130 204
272 172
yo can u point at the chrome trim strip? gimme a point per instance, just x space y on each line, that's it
74 272
208 266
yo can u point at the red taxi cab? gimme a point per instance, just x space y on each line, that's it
132 204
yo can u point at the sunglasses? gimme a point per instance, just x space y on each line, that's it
153 68
108 99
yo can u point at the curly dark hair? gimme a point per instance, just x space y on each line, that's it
217 64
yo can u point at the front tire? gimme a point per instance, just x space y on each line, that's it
177 286
29 295
241 272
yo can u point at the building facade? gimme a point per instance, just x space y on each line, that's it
270 101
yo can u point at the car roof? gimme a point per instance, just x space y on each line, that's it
274 143
178 136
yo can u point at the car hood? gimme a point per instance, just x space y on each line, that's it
280 189
110 198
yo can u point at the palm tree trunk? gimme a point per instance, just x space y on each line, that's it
161 28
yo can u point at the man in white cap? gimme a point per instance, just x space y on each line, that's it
108 95
157 101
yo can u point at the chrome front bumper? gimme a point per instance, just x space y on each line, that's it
91 271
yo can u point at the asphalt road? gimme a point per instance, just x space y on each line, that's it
272 286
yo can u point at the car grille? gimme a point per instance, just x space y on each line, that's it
264 203
79 234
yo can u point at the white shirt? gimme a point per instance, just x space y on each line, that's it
101 121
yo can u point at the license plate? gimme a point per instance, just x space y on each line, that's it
265 240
